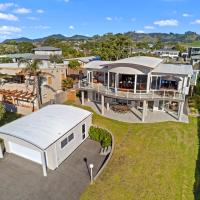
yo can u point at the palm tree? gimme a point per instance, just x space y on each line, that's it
32 69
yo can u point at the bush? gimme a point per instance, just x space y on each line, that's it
67 83
2 111
100 135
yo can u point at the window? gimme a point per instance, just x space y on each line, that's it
64 143
49 80
70 137
83 131
67 140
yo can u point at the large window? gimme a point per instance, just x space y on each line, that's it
155 83
141 83
83 131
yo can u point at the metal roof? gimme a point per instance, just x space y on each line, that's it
98 64
149 62
47 48
177 69
85 59
47 125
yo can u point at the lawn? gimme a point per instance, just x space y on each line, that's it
150 162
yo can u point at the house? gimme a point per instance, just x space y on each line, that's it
47 136
195 61
193 51
142 83
16 80
167 53
46 50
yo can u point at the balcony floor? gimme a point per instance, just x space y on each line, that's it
131 117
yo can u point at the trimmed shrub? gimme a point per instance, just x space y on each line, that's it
100 135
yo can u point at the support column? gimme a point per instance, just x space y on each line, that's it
92 74
116 82
107 106
44 165
102 104
82 98
180 111
148 82
135 84
144 112
88 76
1 150
108 80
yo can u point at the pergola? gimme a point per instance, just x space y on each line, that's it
13 96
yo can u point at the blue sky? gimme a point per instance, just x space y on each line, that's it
38 18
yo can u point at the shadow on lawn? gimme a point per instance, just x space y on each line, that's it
197 170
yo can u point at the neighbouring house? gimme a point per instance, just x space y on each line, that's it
193 51
142 83
46 50
16 80
47 136
195 61
167 53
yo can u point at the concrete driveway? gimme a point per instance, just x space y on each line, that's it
21 179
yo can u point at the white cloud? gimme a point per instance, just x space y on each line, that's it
9 17
186 15
71 27
149 27
139 31
66 1
22 11
8 30
167 22
197 21
4 6
109 18
32 18
133 19
40 11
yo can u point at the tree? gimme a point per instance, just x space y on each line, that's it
2 111
67 83
74 64
33 69
158 44
55 59
25 47
6 60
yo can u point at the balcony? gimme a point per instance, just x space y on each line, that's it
162 94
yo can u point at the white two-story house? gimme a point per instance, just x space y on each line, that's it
143 83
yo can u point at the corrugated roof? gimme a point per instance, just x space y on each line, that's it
98 64
47 125
178 69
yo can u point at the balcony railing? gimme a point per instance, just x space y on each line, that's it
129 94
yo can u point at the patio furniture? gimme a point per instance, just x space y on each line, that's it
120 108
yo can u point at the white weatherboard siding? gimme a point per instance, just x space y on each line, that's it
25 152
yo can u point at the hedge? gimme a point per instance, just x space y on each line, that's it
100 135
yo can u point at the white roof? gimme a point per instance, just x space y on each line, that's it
98 64
145 61
178 69
47 125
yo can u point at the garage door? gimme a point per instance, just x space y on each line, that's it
25 152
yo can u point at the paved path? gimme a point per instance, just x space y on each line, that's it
21 179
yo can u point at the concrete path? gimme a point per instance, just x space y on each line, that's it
21 179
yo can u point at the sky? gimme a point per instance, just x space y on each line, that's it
39 18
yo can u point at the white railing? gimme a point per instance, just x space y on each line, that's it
140 94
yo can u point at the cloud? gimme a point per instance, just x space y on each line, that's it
186 15
149 27
139 31
67 1
8 30
197 21
133 19
109 18
9 17
167 22
71 27
4 6
32 18
40 11
22 11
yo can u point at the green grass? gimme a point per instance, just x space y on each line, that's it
150 162
193 44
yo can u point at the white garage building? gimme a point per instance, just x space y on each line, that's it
47 136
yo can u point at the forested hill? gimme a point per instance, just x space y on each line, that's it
188 37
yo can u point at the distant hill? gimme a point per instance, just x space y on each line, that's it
56 36
187 38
